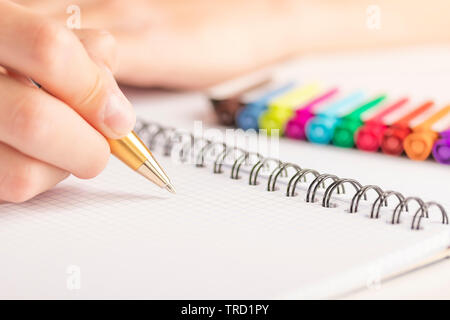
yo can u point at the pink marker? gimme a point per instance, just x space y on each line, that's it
295 128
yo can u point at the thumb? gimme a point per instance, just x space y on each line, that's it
101 48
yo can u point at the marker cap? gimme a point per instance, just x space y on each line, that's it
320 129
295 128
271 120
345 132
418 145
369 137
392 142
247 118
441 149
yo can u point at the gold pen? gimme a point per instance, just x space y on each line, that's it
133 152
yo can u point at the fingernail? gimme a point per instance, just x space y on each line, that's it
118 114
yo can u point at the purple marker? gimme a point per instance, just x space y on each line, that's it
441 149
295 128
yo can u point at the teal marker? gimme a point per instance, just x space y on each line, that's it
320 129
344 133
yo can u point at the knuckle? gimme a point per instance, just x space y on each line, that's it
28 121
50 41
19 185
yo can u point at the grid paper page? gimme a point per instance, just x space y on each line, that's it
217 238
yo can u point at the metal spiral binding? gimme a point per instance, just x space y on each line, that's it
150 132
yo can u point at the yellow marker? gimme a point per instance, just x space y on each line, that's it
282 109
419 144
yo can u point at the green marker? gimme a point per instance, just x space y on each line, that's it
345 131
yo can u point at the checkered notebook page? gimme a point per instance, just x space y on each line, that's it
118 236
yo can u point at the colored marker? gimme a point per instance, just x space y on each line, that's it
225 97
281 109
247 117
369 136
346 128
441 149
295 128
419 144
393 136
320 129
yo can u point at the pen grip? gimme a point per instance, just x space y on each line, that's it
130 149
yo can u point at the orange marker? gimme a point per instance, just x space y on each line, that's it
419 144
393 136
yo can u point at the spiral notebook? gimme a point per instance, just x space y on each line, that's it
224 235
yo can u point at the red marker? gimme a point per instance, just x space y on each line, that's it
392 141
370 135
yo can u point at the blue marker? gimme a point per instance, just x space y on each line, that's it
320 129
248 116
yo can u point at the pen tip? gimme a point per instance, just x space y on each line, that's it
170 188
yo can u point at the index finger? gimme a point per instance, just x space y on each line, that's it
55 58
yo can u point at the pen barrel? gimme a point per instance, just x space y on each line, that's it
405 120
337 107
356 114
294 98
380 116
130 150
428 124
309 107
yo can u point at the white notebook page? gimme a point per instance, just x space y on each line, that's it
217 238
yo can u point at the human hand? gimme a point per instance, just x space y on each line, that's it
48 133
